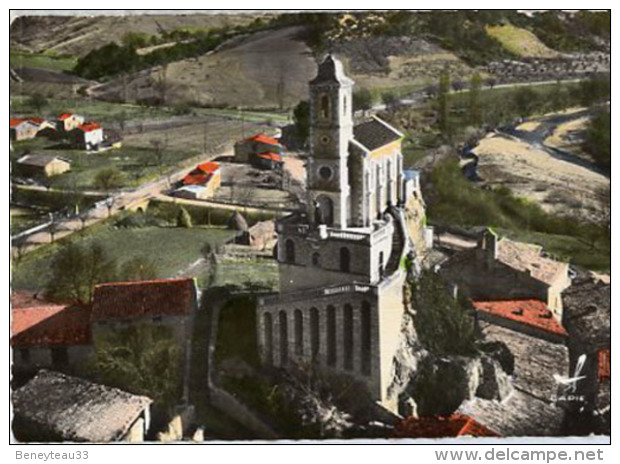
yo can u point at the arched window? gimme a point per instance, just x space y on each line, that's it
314 332
366 350
283 338
331 336
316 259
268 326
290 251
345 259
348 337
324 210
299 333
324 106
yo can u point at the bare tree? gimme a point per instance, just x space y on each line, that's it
159 150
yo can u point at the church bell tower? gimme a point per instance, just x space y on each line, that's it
331 129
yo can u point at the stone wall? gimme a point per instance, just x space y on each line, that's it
496 282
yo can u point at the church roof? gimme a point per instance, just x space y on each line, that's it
331 72
375 134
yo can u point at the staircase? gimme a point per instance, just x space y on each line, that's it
398 242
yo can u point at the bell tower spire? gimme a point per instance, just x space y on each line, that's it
331 129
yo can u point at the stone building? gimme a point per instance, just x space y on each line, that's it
340 261
53 407
258 143
502 269
171 303
48 335
43 165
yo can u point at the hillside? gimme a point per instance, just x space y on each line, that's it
266 69
78 35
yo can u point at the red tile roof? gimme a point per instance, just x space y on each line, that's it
89 126
533 313
15 122
45 324
209 167
604 365
263 138
145 298
35 120
62 117
456 425
270 156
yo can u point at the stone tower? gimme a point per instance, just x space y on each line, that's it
331 129
340 303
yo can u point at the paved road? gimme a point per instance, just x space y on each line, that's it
117 202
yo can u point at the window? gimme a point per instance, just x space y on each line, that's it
60 357
348 337
316 259
314 332
24 354
157 318
380 264
299 333
324 106
331 336
344 104
366 351
345 259
325 172
268 338
283 338
290 251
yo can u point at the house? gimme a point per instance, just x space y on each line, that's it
456 425
48 335
42 165
207 175
171 303
536 366
87 136
259 143
502 269
54 407
260 236
269 160
66 122
587 314
519 415
22 129
531 317
192 192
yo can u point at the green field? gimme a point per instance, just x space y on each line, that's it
42 60
172 249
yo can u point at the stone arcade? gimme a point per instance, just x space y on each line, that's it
341 263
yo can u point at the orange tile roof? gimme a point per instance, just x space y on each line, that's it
120 300
40 323
263 138
270 156
456 425
15 122
209 167
529 312
604 364
64 116
89 126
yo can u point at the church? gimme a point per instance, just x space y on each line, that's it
342 261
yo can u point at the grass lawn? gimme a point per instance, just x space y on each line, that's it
260 273
172 249
42 60
566 248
